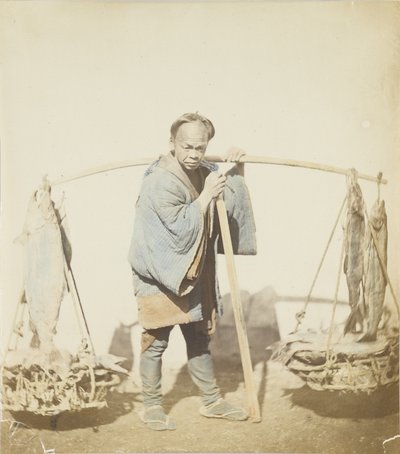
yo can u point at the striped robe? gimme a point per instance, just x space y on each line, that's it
174 245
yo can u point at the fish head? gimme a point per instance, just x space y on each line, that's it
44 202
40 210
355 199
378 214
33 220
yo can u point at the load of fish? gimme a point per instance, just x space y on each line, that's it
42 378
44 280
374 277
363 263
354 243
367 356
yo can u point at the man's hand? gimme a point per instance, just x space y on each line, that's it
233 155
213 187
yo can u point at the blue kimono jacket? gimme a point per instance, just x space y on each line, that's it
174 244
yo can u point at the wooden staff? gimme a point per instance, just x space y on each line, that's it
254 408
248 159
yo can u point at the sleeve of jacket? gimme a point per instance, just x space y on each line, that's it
240 216
168 232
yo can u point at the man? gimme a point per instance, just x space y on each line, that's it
173 254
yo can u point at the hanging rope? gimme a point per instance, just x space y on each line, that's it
328 343
300 315
82 323
16 325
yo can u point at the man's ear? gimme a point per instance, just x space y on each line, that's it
172 145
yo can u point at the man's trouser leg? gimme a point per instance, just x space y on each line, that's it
200 363
150 366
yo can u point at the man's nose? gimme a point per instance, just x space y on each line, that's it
194 154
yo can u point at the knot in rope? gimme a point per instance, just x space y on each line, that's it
331 358
300 316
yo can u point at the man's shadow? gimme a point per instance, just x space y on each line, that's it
262 330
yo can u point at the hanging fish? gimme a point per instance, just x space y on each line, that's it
375 280
44 279
354 250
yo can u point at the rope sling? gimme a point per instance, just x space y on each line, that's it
42 391
337 368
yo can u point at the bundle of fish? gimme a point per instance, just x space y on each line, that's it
41 378
366 355
365 277
44 282
347 366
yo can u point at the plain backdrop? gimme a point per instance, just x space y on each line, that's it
90 83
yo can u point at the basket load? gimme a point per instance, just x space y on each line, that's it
347 366
50 384
39 377
363 354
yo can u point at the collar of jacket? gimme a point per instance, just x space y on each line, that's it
169 163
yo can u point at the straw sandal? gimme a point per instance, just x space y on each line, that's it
155 419
224 410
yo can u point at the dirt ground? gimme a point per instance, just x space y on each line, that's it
295 419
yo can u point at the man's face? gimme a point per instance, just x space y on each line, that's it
190 144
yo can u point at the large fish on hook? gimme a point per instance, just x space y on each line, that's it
375 280
354 251
44 280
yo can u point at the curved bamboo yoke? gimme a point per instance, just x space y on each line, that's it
253 405
244 159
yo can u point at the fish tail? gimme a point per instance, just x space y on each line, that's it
367 337
35 342
352 320
357 311
375 318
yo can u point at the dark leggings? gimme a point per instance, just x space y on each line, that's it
199 364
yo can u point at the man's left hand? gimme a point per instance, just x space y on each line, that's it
234 154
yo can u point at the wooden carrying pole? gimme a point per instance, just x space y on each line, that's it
302 164
246 158
254 408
